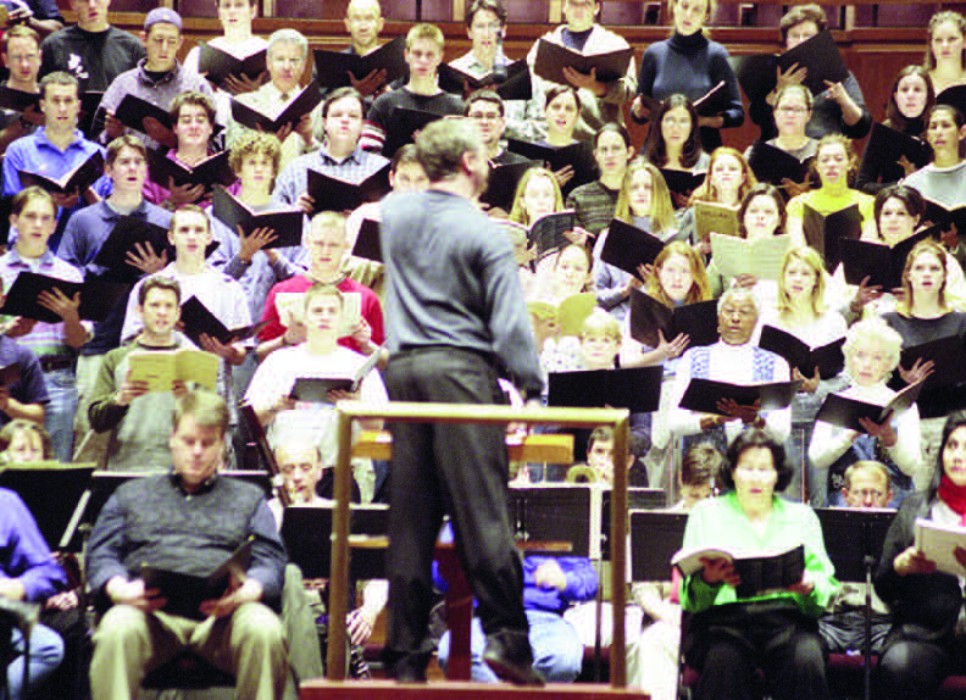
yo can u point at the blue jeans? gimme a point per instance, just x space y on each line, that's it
59 413
46 653
557 651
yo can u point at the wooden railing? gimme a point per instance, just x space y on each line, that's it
350 411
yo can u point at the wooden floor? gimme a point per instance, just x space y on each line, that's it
389 690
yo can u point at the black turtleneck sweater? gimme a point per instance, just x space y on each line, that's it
692 65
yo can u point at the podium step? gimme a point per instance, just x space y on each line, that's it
459 690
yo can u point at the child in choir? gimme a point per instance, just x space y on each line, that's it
570 275
652 659
803 312
643 202
910 100
24 440
834 163
596 201
871 354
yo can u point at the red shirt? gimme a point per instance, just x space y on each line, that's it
371 309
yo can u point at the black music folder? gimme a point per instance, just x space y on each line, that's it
949 355
217 65
213 170
579 155
98 297
682 182
648 316
828 358
18 100
516 85
637 389
884 149
403 125
198 319
307 99
945 215
335 194
760 571
503 182
713 102
82 176
821 56
51 491
845 412
333 67
186 592
90 101
880 263
954 96
126 234
755 74
703 395
773 165
548 232
368 244
307 534
286 222
552 58
628 247
132 110
655 537
825 232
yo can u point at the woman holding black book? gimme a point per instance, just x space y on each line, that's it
793 110
674 146
871 355
910 100
925 643
735 629
644 203
834 164
690 64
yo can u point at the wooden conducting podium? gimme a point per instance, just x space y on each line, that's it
334 686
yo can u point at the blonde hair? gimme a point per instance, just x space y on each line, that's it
700 287
706 191
601 322
873 331
929 61
711 9
425 31
662 211
518 212
810 257
926 247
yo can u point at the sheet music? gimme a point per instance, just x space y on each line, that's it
762 258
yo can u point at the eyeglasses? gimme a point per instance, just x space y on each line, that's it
485 116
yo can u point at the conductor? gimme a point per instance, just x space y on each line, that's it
456 320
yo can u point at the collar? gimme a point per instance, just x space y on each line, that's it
692 41
15 260
355 157
41 135
109 213
275 94
205 487
145 79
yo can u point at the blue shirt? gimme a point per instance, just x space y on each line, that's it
23 552
294 178
83 238
37 154
31 387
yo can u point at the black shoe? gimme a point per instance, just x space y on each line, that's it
509 669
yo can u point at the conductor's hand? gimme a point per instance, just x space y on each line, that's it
248 592
912 561
719 570
134 593
550 575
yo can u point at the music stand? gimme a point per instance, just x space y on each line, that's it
854 557
656 536
307 534
555 513
50 491
637 499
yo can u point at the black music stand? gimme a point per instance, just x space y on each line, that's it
553 513
637 499
307 534
656 536
856 557
50 491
